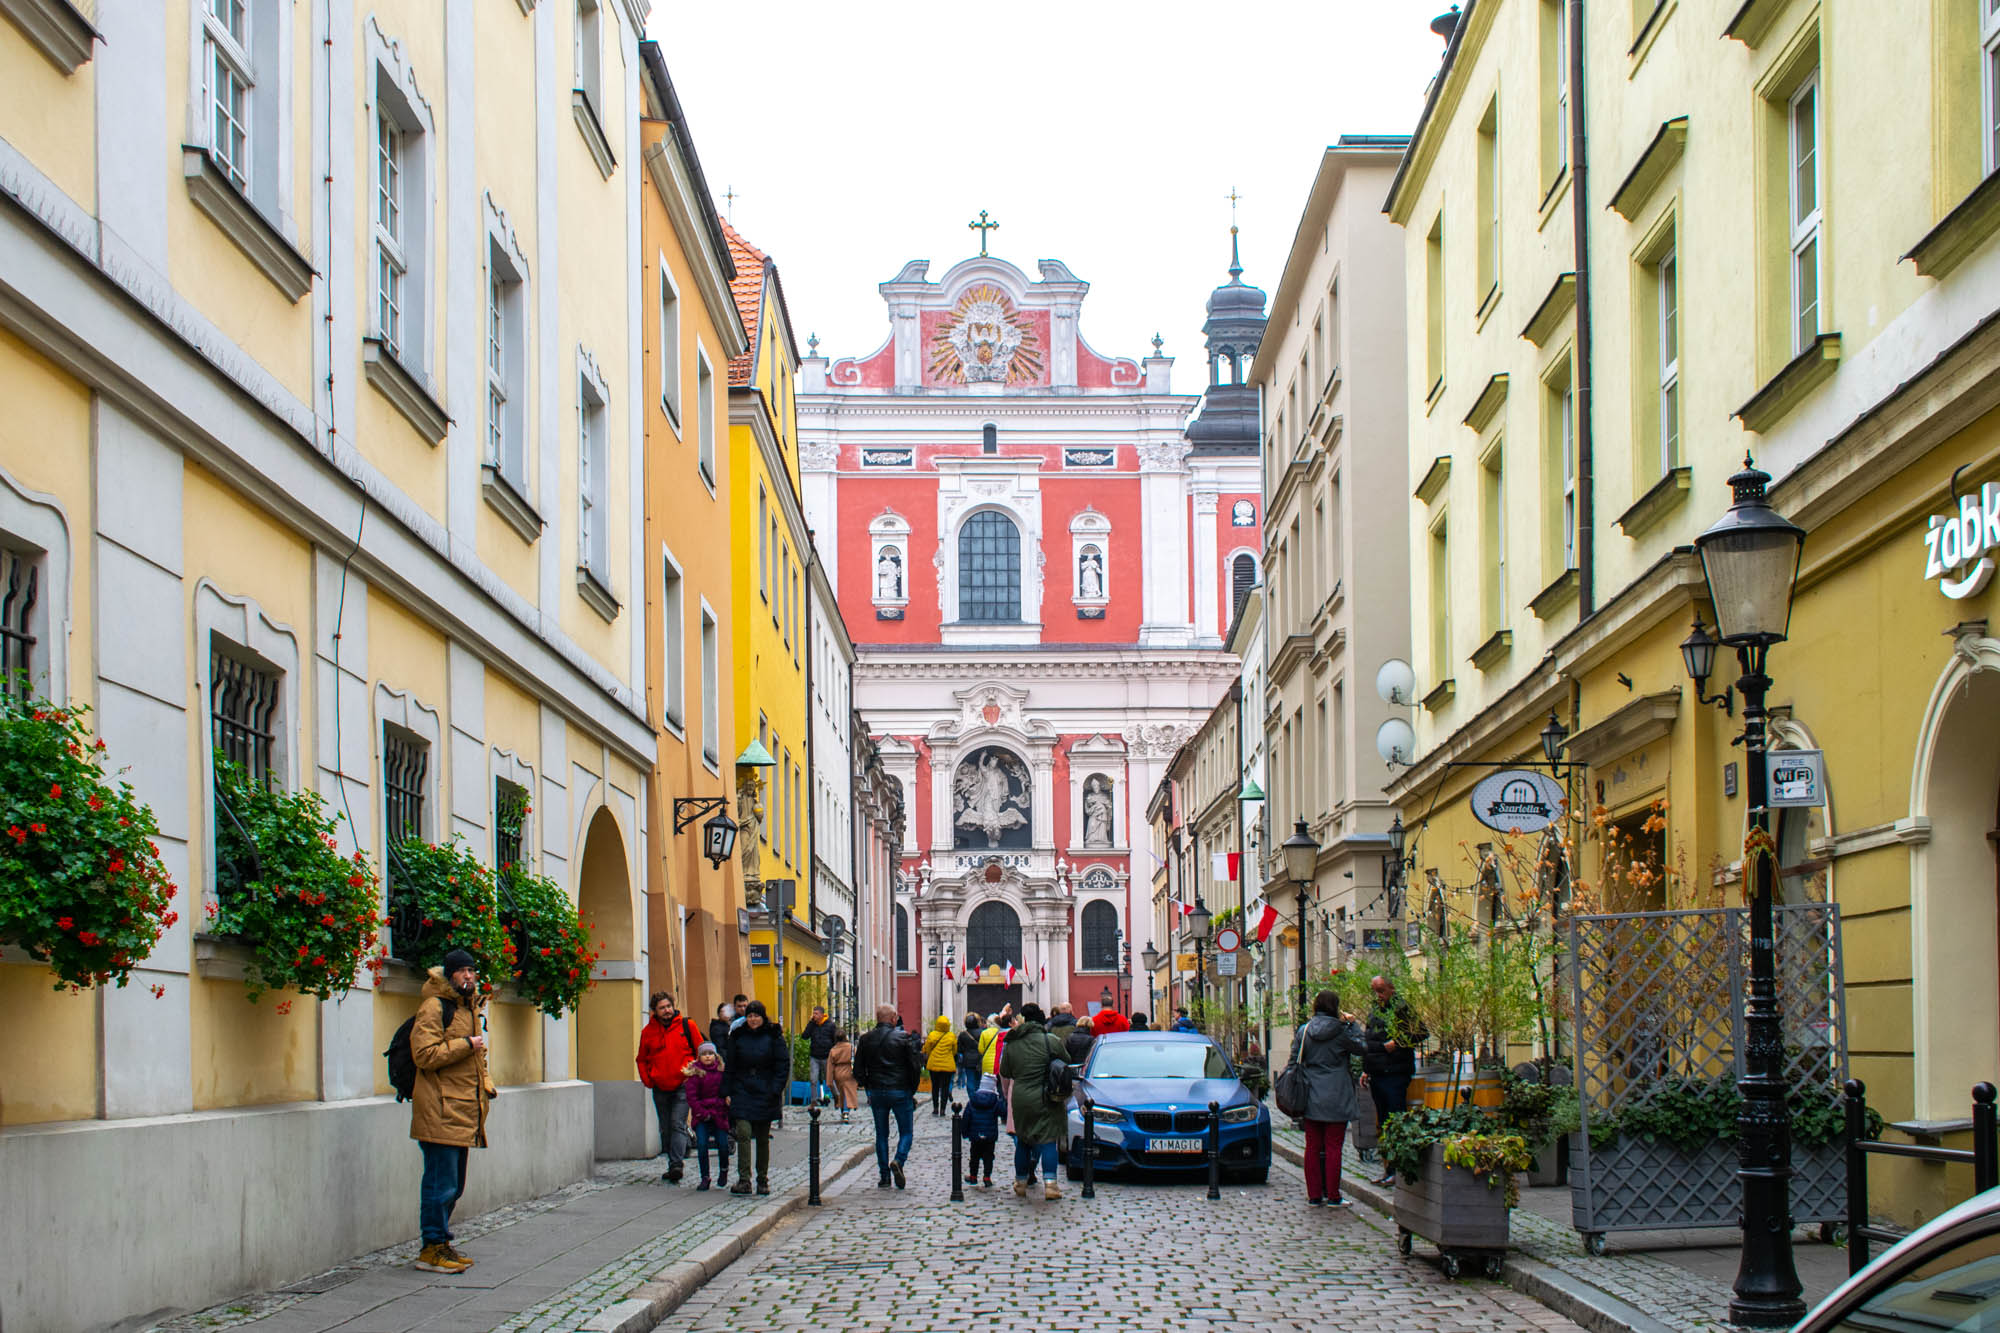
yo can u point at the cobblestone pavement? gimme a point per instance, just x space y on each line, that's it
547 1263
1136 1257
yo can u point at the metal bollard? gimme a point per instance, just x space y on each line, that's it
1089 1147
957 1154
1215 1150
812 1155
1985 1142
1857 1176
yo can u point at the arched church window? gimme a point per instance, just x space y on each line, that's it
1242 578
989 568
1100 937
902 938
993 936
992 801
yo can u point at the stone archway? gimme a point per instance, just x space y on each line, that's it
609 1018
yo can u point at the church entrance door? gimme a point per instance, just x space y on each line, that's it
986 999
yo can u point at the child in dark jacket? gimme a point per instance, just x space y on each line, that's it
982 1129
708 1110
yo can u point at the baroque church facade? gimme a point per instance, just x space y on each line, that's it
1038 550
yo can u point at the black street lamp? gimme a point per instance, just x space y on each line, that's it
1201 924
1149 957
1301 860
1750 558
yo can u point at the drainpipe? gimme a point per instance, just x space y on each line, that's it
1586 498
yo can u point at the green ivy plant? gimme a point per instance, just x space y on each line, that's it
1408 1135
556 954
447 900
82 886
1689 1113
1497 1157
307 913
1539 1112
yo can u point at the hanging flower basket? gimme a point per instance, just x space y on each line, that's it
307 913
442 899
82 886
556 952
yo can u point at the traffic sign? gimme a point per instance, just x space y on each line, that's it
1228 939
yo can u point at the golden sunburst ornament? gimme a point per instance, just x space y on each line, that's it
985 340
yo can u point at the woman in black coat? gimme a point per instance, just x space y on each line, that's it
756 1070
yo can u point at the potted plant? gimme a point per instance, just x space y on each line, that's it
1455 1181
82 886
442 898
553 953
1544 1114
801 1071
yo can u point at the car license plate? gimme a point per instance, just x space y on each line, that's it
1174 1145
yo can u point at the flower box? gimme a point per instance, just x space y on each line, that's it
1455 1210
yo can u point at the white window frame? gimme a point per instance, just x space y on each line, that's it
673 643
507 445
261 60
593 466
1566 445
589 54
711 689
226 50
392 266
400 184
1989 60
1804 222
705 410
670 346
1667 308
1562 89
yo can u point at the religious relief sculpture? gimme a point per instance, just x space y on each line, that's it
749 819
985 340
1090 575
889 575
991 798
1097 812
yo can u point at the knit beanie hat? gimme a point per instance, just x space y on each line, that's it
457 959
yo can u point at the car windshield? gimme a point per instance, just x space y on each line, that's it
1157 1059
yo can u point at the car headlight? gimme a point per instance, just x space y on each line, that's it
1107 1115
1240 1115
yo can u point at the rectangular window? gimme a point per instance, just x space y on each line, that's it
590 54
783 615
506 369
227 87
1440 607
1489 203
1989 61
1493 539
1560 472
1803 189
390 264
1667 302
510 823
1434 309
244 713
670 347
704 388
592 483
405 765
1339 756
1323 741
673 644
766 533
711 688
1554 93
20 594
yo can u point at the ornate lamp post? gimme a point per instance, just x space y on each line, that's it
1301 860
1201 923
1149 958
1750 558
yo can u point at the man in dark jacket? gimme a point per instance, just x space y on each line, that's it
1140 1023
1390 1058
1061 1019
888 1066
822 1034
755 1073
1076 1040
1040 1125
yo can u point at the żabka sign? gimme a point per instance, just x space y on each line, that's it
1956 544
1517 800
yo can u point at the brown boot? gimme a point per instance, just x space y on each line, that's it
437 1258
1051 1191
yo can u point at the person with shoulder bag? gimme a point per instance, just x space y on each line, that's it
1322 1093
1040 1122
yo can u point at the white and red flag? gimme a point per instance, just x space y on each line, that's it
1267 921
1010 973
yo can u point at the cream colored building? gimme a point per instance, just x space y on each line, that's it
1788 210
320 339
1334 604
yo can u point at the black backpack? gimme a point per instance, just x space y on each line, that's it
1060 1081
968 1047
402 1064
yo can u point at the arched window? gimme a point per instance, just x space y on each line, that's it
1100 937
902 938
1242 578
993 936
989 568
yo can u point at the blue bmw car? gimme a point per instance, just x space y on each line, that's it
1150 1092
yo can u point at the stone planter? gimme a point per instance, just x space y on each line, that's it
1551 1164
1463 1214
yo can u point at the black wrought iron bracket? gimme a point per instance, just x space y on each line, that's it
687 809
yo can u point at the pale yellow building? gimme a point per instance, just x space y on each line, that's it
320 341
1787 210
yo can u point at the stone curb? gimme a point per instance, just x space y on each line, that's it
1599 1311
649 1303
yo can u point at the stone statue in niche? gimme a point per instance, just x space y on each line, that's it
1090 575
1097 812
749 819
990 795
889 575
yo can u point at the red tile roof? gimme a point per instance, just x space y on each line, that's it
748 289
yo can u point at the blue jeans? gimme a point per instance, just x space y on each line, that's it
816 1078
904 1105
708 1134
1026 1155
969 1076
444 1181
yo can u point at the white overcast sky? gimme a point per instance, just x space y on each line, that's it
860 136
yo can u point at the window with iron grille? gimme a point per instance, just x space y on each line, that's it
243 716
989 568
20 590
405 765
510 820
1242 578
902 938
1100 937
993 936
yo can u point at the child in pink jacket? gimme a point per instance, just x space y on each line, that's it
708 1110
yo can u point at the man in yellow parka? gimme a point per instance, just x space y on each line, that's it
448 1107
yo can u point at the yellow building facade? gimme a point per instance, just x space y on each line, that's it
771 547
1786 212
692 904
334 402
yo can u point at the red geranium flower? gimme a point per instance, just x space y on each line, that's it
55 791
63 923
86 938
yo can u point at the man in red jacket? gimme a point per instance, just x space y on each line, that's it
667 1046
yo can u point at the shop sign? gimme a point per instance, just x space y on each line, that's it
760 955
1517 800
1956 545
1186 962
1795 778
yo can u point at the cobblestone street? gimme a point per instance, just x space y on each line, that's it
1135 1257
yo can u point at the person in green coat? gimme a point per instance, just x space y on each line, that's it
1039 1124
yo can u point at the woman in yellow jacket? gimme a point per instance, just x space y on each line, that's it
941 1059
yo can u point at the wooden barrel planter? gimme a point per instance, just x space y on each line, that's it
1483 1089
1462 1214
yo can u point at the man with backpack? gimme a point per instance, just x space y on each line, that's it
446 1044
668 1044
1034 1061
889 1066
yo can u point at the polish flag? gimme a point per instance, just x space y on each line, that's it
947 972
1045 972
1010 974
1187 909
1267 920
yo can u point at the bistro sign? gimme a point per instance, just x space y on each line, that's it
1517 800
1956 546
